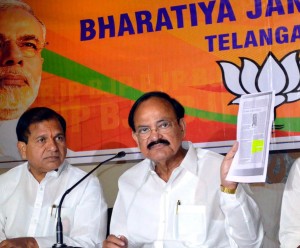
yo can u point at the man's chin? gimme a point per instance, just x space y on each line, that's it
15 102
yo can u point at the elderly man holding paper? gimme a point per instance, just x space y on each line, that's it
179 196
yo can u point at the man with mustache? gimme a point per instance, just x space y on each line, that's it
22 38
179 196
31 192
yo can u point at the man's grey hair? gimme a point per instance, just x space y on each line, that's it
8 4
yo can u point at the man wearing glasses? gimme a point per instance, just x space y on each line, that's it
178 196
22 37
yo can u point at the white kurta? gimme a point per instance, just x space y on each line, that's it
187 211
28 208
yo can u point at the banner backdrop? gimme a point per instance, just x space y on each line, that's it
102 55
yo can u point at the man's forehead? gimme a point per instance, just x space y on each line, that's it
42 126
147 117
157 104
19 22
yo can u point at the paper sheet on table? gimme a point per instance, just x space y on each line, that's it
255 120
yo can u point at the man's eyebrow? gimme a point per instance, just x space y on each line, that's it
161 120
27 37
142 126
157 122
40 136
23 37
59 134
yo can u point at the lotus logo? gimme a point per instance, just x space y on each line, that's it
282 76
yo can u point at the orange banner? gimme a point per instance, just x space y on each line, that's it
101 56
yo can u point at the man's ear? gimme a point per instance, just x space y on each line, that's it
22 149
134 136
182 126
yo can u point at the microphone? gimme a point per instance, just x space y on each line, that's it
59 227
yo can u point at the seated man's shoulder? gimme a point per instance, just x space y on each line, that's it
10 179
297 163
208 154
137 171
78 173
14 173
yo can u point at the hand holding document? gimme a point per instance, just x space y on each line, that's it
255 119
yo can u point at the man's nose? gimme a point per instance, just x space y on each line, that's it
11 54
154 134
52 145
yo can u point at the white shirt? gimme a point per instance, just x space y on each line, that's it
28 208
289 232
187 211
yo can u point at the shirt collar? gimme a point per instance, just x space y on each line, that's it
54 173
190 160
59 170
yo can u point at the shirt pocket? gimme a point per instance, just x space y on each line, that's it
191 223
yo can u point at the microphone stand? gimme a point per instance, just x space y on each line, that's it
59 226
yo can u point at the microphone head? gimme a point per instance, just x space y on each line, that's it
121 154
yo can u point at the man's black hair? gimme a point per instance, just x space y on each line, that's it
36 115
178 108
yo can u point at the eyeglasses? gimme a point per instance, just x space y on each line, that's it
162 127
29 48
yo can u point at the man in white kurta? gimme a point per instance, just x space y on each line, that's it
147 210
28 208
31 192
289 233
179 196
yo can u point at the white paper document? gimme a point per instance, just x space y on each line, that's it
255 120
